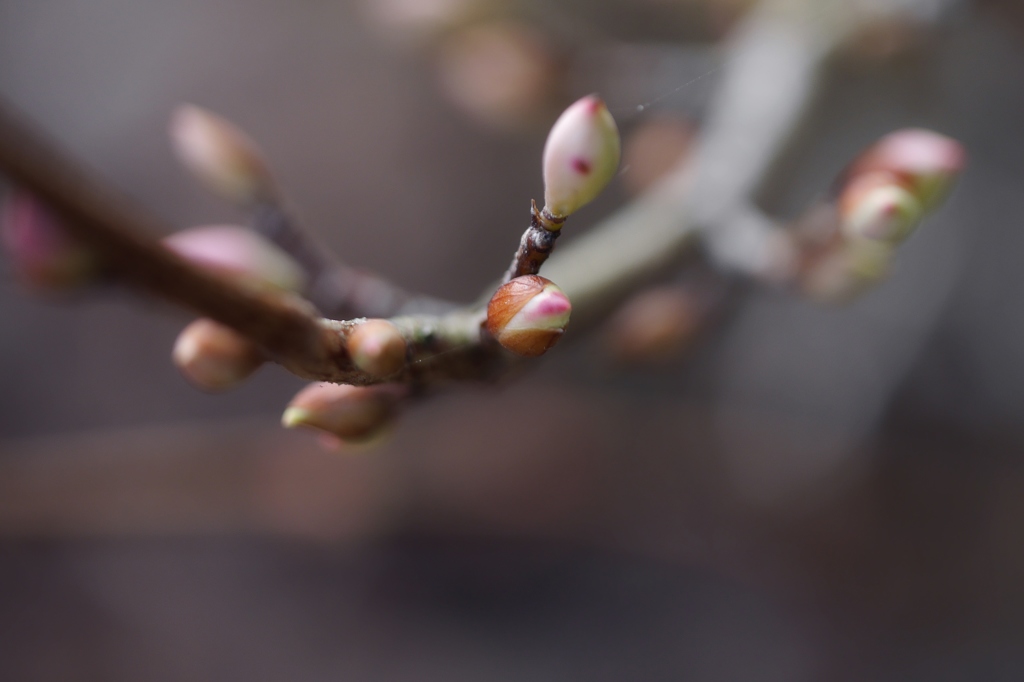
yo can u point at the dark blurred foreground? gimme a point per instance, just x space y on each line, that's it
810 495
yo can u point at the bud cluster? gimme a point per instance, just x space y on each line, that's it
892 185
885 193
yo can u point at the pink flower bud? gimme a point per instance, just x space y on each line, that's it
876 206
528 315
215 357
927 162
240 252
43 254
221 156
351 413
580 157
377 347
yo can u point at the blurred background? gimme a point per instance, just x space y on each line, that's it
791 492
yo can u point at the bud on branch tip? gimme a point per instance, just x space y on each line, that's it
896 181
528 315
928 163
220 155
580 157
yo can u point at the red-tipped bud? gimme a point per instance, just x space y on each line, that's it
352 413
377 347
220 155
877 206
580 157
528 315
43 254
215 357
927 162
240 252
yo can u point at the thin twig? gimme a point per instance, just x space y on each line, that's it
337 290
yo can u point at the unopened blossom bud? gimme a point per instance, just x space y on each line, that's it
238 251
927 162
877 206
377 347
528 315
215 357
220 155
580 157
42 253
351 413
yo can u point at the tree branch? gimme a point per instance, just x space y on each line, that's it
774 66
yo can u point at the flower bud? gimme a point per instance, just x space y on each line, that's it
220 155
927 162
238 251
377 347
351 413
215 357
528 315
875 206
580 157
42 253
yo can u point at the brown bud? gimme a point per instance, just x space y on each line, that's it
351 413
528 315
377 347
215 357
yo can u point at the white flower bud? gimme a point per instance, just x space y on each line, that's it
580 157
